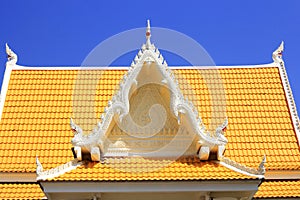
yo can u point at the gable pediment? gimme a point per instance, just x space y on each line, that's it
149 102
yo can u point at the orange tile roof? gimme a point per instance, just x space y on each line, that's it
279 189
138 168
38 105
21 191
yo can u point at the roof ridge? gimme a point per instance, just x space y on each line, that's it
22 67
277 57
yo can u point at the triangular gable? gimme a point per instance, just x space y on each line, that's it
150 68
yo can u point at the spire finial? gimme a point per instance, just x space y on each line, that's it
148 35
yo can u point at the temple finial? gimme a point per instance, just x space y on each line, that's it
148 35
277 54
12 58
39 167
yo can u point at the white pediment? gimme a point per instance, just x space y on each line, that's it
148 95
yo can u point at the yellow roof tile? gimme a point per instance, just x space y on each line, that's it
21 191
36 114
279 189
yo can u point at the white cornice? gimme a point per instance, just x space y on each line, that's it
241 189
152 186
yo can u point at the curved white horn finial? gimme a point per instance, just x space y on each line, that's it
277 54
12 58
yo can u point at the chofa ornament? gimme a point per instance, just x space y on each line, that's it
277 54
12 58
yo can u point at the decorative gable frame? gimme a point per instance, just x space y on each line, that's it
118 108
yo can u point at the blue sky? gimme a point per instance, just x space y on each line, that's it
234 32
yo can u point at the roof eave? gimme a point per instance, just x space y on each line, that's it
236 188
